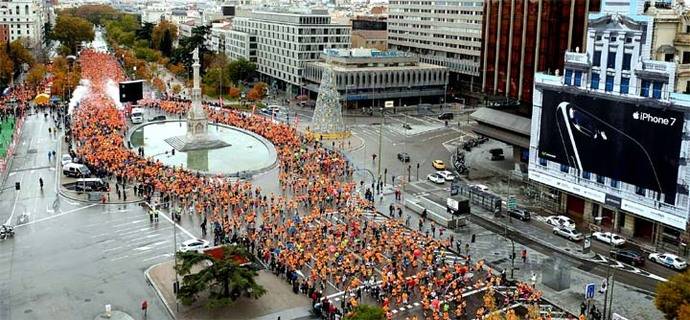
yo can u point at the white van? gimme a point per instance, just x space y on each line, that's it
137 115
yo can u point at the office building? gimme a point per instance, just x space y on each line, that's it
522 37
446 33
284 40
24 20
369 77
370 32
611 135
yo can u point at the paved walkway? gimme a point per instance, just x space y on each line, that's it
279 301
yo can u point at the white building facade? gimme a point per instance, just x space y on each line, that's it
25 19
283 40
446 33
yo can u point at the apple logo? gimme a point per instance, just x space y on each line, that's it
636 115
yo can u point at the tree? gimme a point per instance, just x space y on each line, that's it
35 75
366 312
95 13
47 33
224 278
176 88
159 33
70 31
673 294
166 45
684 311
241 69
145 32
6 67
257 92
234 92
20 54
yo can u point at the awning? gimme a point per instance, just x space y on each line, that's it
666 49
501 135
503 120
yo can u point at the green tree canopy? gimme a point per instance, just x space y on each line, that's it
224 279
241 69
97 14
71 31
366 312
146 31
158 34
673 294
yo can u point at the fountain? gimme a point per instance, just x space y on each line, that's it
225 150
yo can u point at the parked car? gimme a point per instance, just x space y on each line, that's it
76 170
630 257
436 178
407 126
521 214
570 234
404 157
438 165
479 187
158 118
609 238
91 184
194 244
449 176
558 221
446 116
66 158
669 260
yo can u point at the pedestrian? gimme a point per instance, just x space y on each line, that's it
40 182
399 213
144 307
524 255
533 279
391 209
50 154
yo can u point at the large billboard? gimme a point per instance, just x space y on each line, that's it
632 143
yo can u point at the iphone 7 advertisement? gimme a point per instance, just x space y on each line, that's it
639 145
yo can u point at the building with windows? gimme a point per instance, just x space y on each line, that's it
284 40
24 20
524 37
369 77
611 135
671 41
446 33
370 32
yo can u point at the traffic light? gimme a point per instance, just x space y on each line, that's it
16 186
417 165
474 238
385 171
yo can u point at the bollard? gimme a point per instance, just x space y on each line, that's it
108 311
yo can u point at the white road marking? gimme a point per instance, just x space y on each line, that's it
57 215
165 255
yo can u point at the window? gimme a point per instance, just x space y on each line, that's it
578 78
542 161
639 190
656 89
687 29
611 61
615 183
587 175
644 90
668 57
687 87
609 83
625 85
595 81
626 61
686 57
601 179
568 76
565 168
596 59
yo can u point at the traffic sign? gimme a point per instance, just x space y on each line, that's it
590 288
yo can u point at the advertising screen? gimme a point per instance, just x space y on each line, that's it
635 144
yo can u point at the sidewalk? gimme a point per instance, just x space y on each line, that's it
279 300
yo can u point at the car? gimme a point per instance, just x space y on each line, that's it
194 244
521 214
91 184
630 257
407 126
669 260
446 116
66 158
158 118
137 115
609 238
438 165
436 178
449 176
76 170
570 234
479 187
404 157
558 221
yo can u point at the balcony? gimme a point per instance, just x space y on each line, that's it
655 70
682 39
576 60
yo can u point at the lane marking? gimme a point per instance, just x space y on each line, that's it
56 216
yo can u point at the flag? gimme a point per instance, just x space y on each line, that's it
220 98
253 109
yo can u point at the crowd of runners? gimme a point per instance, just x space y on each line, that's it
314 232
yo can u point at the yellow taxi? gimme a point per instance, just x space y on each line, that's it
438 165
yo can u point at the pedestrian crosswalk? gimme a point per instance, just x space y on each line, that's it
129 234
